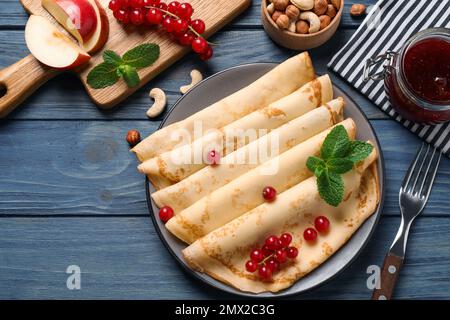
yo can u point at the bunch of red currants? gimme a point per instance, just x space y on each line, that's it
268 259
174 17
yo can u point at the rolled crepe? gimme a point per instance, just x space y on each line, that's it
277 83
175 165
184 193
245 192
223 253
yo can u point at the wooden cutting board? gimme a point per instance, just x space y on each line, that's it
24 77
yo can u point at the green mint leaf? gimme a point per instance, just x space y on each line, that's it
314 163
340 165
130 75
102 76
359 150
111 57
336 144
331 188
141 56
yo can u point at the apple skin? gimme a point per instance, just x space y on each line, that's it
51 47
101 34
77 16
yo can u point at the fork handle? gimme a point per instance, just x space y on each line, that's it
388 278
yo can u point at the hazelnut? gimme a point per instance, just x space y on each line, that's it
302 27
324 21
320 7
283 22
357 10
336 4
331 11
280 4
292 12
133 137
276 15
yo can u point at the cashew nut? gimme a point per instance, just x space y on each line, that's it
292 27
313 19
196 77
160 103
271 8
303 4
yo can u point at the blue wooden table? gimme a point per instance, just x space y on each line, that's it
70 193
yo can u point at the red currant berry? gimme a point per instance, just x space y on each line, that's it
273 265
198 25
168 24
322 224
256 256
292 252
207 55
213 157
154 16
186 39
136 3
281 256
137 17
165 213
251 266
285 239
124 4
180 26
264 272
152 2
266 250
122 15
310 234
269 193
114 5
199 45
173 6
272 243
185 11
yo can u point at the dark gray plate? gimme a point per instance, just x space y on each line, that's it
213 89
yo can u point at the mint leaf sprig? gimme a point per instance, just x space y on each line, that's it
338 155
115 67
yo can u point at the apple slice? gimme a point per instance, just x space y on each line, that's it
101 34
77 16
50 46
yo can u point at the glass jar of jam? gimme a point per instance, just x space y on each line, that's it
417 78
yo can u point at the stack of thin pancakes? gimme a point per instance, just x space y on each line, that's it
219 209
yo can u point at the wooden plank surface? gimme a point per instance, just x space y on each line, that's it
121 258
84 168
64 97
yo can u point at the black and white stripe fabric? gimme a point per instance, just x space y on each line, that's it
389 24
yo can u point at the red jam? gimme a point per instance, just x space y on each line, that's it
426 67
419 84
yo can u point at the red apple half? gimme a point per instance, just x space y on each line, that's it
76 17
50 46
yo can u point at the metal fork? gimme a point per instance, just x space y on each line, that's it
413 197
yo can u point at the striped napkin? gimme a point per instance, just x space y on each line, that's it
389 24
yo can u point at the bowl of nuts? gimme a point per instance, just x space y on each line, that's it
301 24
